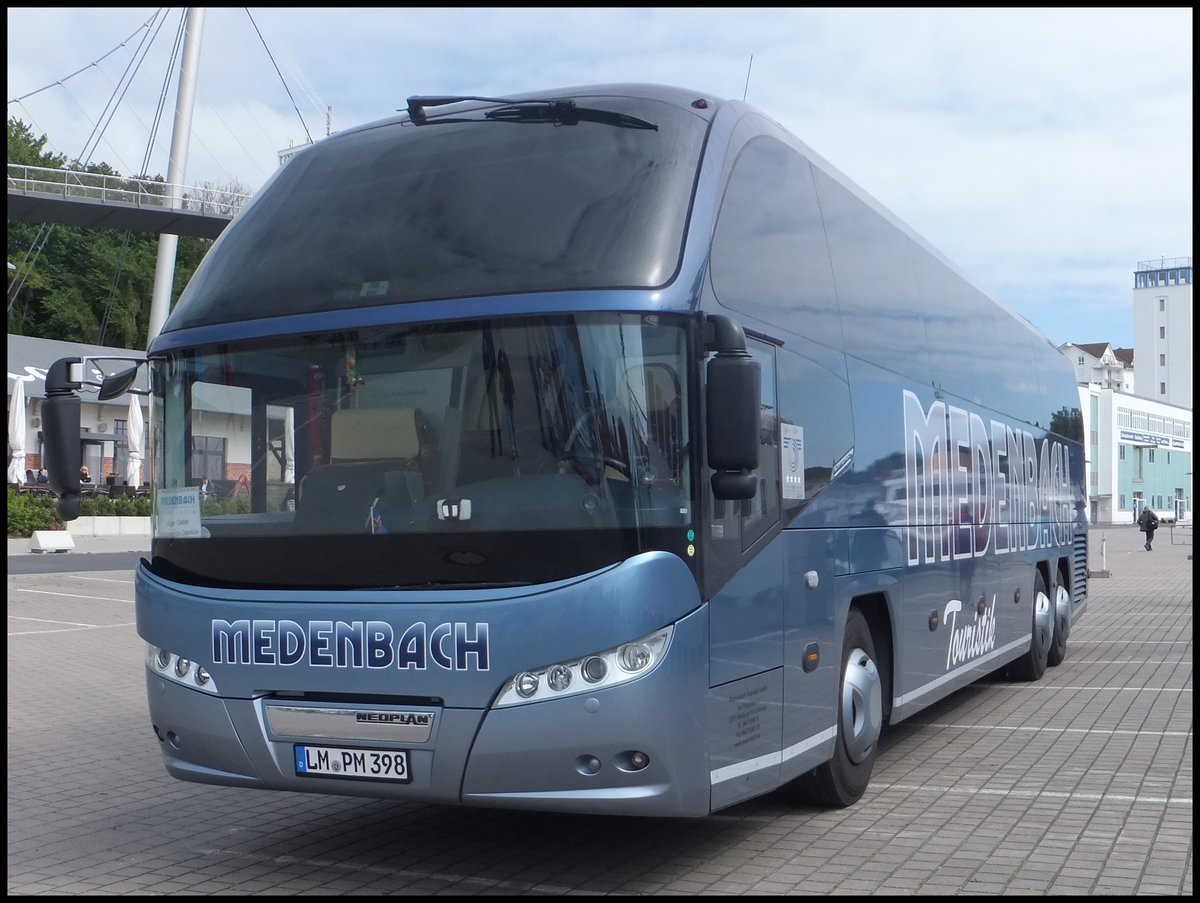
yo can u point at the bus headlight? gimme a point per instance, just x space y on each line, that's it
178 669
587 673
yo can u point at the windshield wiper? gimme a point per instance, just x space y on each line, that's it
556 111
564 112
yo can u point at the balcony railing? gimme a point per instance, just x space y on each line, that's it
148 193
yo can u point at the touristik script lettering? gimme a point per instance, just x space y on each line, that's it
969 641
975 488
351 644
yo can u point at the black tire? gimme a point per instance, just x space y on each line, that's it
843 780
1032 665
1062 623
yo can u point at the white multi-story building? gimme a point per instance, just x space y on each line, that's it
1100 364
1139 452
1162 329
1138 432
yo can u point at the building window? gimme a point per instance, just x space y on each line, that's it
1149 456
1162 360
208 458
1162 388
1162 303
1120 500
1162 332
1081 360
1121 456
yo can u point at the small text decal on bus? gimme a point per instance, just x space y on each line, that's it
972 639
975 488
351 644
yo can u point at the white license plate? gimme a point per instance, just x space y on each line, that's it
347 762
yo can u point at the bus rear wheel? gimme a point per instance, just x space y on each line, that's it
843 780
1033 664
1062 622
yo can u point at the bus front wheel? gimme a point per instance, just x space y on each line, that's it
843 780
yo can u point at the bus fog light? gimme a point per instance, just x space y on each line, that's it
632 760
559 677
202 677
594 670
526 684
182 666
587 765
163 659
634 656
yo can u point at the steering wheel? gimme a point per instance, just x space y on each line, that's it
585 422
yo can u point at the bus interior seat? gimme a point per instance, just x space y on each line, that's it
663 416
374 454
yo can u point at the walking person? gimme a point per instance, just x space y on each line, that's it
1148 523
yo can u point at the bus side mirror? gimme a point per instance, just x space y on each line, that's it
115 384
60 432
733 399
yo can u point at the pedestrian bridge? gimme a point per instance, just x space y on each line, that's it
92 200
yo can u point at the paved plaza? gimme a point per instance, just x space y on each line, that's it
1078 784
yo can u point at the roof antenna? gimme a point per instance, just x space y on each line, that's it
746 90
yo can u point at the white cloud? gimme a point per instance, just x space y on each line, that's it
1044 151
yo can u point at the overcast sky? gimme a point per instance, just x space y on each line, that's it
1046 152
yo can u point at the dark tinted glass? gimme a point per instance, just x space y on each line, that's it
876 286
399 213
494 451
769 257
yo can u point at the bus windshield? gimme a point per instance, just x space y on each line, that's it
489 452
397 213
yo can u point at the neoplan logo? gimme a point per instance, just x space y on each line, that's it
422 719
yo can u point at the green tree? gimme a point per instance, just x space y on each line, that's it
25 149
84 285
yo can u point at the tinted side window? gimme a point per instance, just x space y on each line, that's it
769 257
876 286
816 428
961 330
761 513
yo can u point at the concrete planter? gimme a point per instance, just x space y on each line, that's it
134 526
106 526
110 525
82 526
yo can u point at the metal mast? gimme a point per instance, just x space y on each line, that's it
164 274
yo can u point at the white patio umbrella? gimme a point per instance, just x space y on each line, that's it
133 467
289 445
16 433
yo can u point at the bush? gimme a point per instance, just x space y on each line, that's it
100 506
122 506
135 507
211 507
27 513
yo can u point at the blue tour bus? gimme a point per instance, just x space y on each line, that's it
599 450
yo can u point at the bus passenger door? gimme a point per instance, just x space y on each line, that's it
744 555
